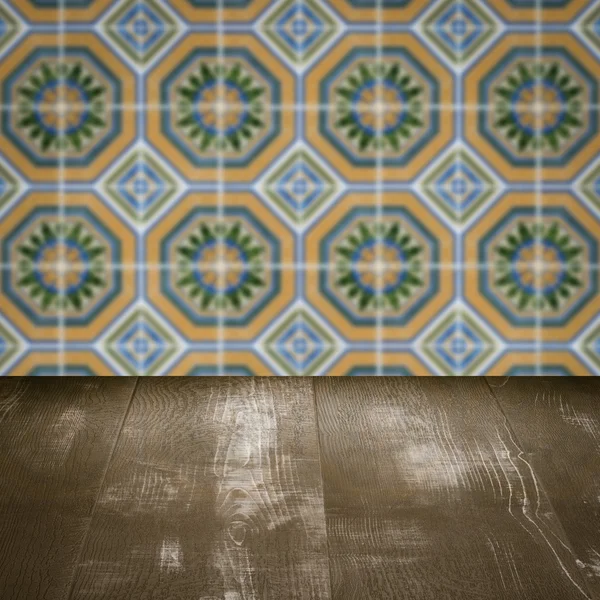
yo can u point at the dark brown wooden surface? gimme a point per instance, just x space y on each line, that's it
56 438
558 421
428 496
214 491
267 488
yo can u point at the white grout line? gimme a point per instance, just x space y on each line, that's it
538 265
139 209
62 176
221 264
278 107
459 74
298 265
307 266
299 212
379 176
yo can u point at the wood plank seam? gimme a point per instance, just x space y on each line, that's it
407 499
539 481
100 488
316 413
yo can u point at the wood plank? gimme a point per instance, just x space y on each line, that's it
558 422
428 495
214 492
56 436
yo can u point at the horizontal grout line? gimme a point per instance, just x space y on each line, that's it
341 26
298 266
296 107
234 345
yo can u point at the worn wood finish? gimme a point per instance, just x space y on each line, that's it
558 421
56 437
214 492
428 494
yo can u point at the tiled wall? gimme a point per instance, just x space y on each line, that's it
299 186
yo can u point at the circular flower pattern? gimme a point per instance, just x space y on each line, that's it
61 267
378 266
379 106
220 266
219 108
537 266
62 107
538 106
213 277
373 277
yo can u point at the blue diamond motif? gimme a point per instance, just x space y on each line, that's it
141 29
459 187
299 344
140 345
140 186
299 30
300 186
299 27
459 346
459 29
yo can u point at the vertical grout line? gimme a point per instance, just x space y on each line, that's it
101 484
299 275
298 369
61 173
459 313
221 264
319 453
379 157
139 209
538 256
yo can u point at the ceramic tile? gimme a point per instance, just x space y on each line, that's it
299 187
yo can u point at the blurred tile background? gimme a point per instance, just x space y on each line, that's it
299 187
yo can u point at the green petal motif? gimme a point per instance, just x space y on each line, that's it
538 266
379 107
220 266
400 273
538 106
61 266
62 107
219 108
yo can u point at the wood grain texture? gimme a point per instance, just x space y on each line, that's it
558 421
214 492
56 436
428 494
